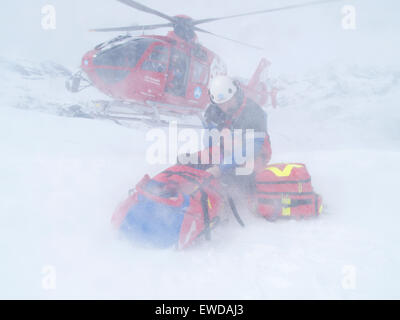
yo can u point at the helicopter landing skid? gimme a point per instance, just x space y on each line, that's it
151 114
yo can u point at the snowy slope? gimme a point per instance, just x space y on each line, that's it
63 177
32 85
351 106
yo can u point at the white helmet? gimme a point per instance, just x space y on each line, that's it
222 89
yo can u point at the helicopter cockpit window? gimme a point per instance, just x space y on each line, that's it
123 55
199 73
111 76
157 60
177 73
200 53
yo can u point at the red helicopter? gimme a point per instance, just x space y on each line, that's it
151 76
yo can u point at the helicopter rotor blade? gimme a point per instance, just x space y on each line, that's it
141 7
294 6
133 28
226 38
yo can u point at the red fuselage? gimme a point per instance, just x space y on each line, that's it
162 69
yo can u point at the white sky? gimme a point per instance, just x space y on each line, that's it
297 39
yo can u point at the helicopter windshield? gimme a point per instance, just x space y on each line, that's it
178 73
123 55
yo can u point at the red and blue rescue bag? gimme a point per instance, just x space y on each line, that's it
175 208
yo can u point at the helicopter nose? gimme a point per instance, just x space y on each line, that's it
87 59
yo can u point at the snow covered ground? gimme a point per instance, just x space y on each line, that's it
61 178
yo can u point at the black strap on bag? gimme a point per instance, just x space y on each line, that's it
204 201
206 217
234 211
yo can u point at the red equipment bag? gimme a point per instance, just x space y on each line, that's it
285 190
174 208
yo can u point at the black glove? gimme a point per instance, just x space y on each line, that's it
214 117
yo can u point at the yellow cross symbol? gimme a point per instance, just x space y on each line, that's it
285 172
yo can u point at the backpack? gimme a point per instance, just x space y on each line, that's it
284 190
